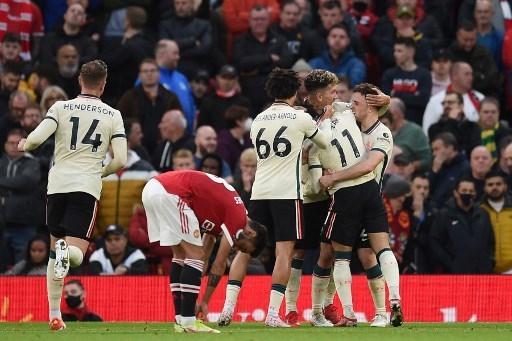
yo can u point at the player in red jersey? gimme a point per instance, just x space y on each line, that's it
187 210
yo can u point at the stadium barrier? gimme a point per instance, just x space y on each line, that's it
127 298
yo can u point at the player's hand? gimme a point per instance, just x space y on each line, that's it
379 100
326 181
202 311
21 145
328 112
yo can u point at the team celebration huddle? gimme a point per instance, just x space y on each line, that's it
320 166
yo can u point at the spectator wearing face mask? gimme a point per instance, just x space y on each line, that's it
75 308
234 139
462 239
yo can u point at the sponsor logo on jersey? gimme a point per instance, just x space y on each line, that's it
207 225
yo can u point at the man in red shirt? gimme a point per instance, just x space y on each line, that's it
183 205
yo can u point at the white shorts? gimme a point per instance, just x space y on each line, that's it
170 220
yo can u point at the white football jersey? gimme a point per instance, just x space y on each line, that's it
346 148
379 138
277 135
85 127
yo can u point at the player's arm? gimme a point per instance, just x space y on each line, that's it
314 170
120 151
363 167
320 134
208 244
44 130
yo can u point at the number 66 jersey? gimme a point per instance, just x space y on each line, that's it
277 135
85 127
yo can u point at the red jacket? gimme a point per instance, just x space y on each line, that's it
236 13
507 49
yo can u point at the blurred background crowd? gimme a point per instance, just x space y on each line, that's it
188 77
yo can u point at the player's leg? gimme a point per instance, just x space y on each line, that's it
178 259
376 282
343 280
237 273
322 273
292 288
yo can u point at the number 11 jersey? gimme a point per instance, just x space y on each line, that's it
85 127
277 135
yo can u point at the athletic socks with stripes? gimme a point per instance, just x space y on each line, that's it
174 283
232 291
190 282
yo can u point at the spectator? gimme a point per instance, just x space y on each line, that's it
441 64
211 164
245 178
117 258
498 205
50 95
174 136
11 52
403 166
234 139
124 61
465 49
448 166
122 191
206 143
409 136
402 26
42 77
290 28
147 103
134 135
331 13
256 53
18 102
492 129
461 239
24 18
480 164
75 308
237 13
68 68
423 23
339 57
200 85
461 75
507 62
193 36
454 121
183 159
36 259
302 68
488 36
343 89
364 17
506 163
10 79
70 33
214 105
502 14
19 177
167 57
401 223
408 81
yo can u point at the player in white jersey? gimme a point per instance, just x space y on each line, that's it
379 143
276 201
84 129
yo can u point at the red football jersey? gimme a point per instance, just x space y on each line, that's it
216 204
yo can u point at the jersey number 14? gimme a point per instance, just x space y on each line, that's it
75 121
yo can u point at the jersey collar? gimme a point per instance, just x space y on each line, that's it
372 128
88 96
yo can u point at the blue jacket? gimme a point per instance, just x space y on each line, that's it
443 182
176 82
349 65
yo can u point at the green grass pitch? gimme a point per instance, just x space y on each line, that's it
251 331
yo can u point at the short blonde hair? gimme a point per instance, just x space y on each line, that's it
183 153
52 90
248 155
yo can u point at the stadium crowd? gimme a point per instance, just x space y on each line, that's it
188 77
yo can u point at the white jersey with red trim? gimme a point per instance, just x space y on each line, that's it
85 127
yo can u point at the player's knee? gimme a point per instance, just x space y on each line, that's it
367 258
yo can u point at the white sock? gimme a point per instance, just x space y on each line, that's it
75 256
177 318
331 291
231 297
54 290
318 291
378 289
389 267
292 290
187 321
343 281
276 298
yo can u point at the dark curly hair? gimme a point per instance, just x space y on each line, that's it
282 84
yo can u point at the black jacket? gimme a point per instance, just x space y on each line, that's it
443 182
162 157
214 106
253 60
86 47
19 181
466 132
463 242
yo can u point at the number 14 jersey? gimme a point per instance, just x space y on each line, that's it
85 126
277 135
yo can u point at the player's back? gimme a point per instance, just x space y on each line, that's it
379 138
277 135
85 126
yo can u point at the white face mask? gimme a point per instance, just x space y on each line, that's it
248 124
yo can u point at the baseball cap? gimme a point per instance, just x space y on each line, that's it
404 11
402 160
440 54
201 75
227 71
114 229
396 186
